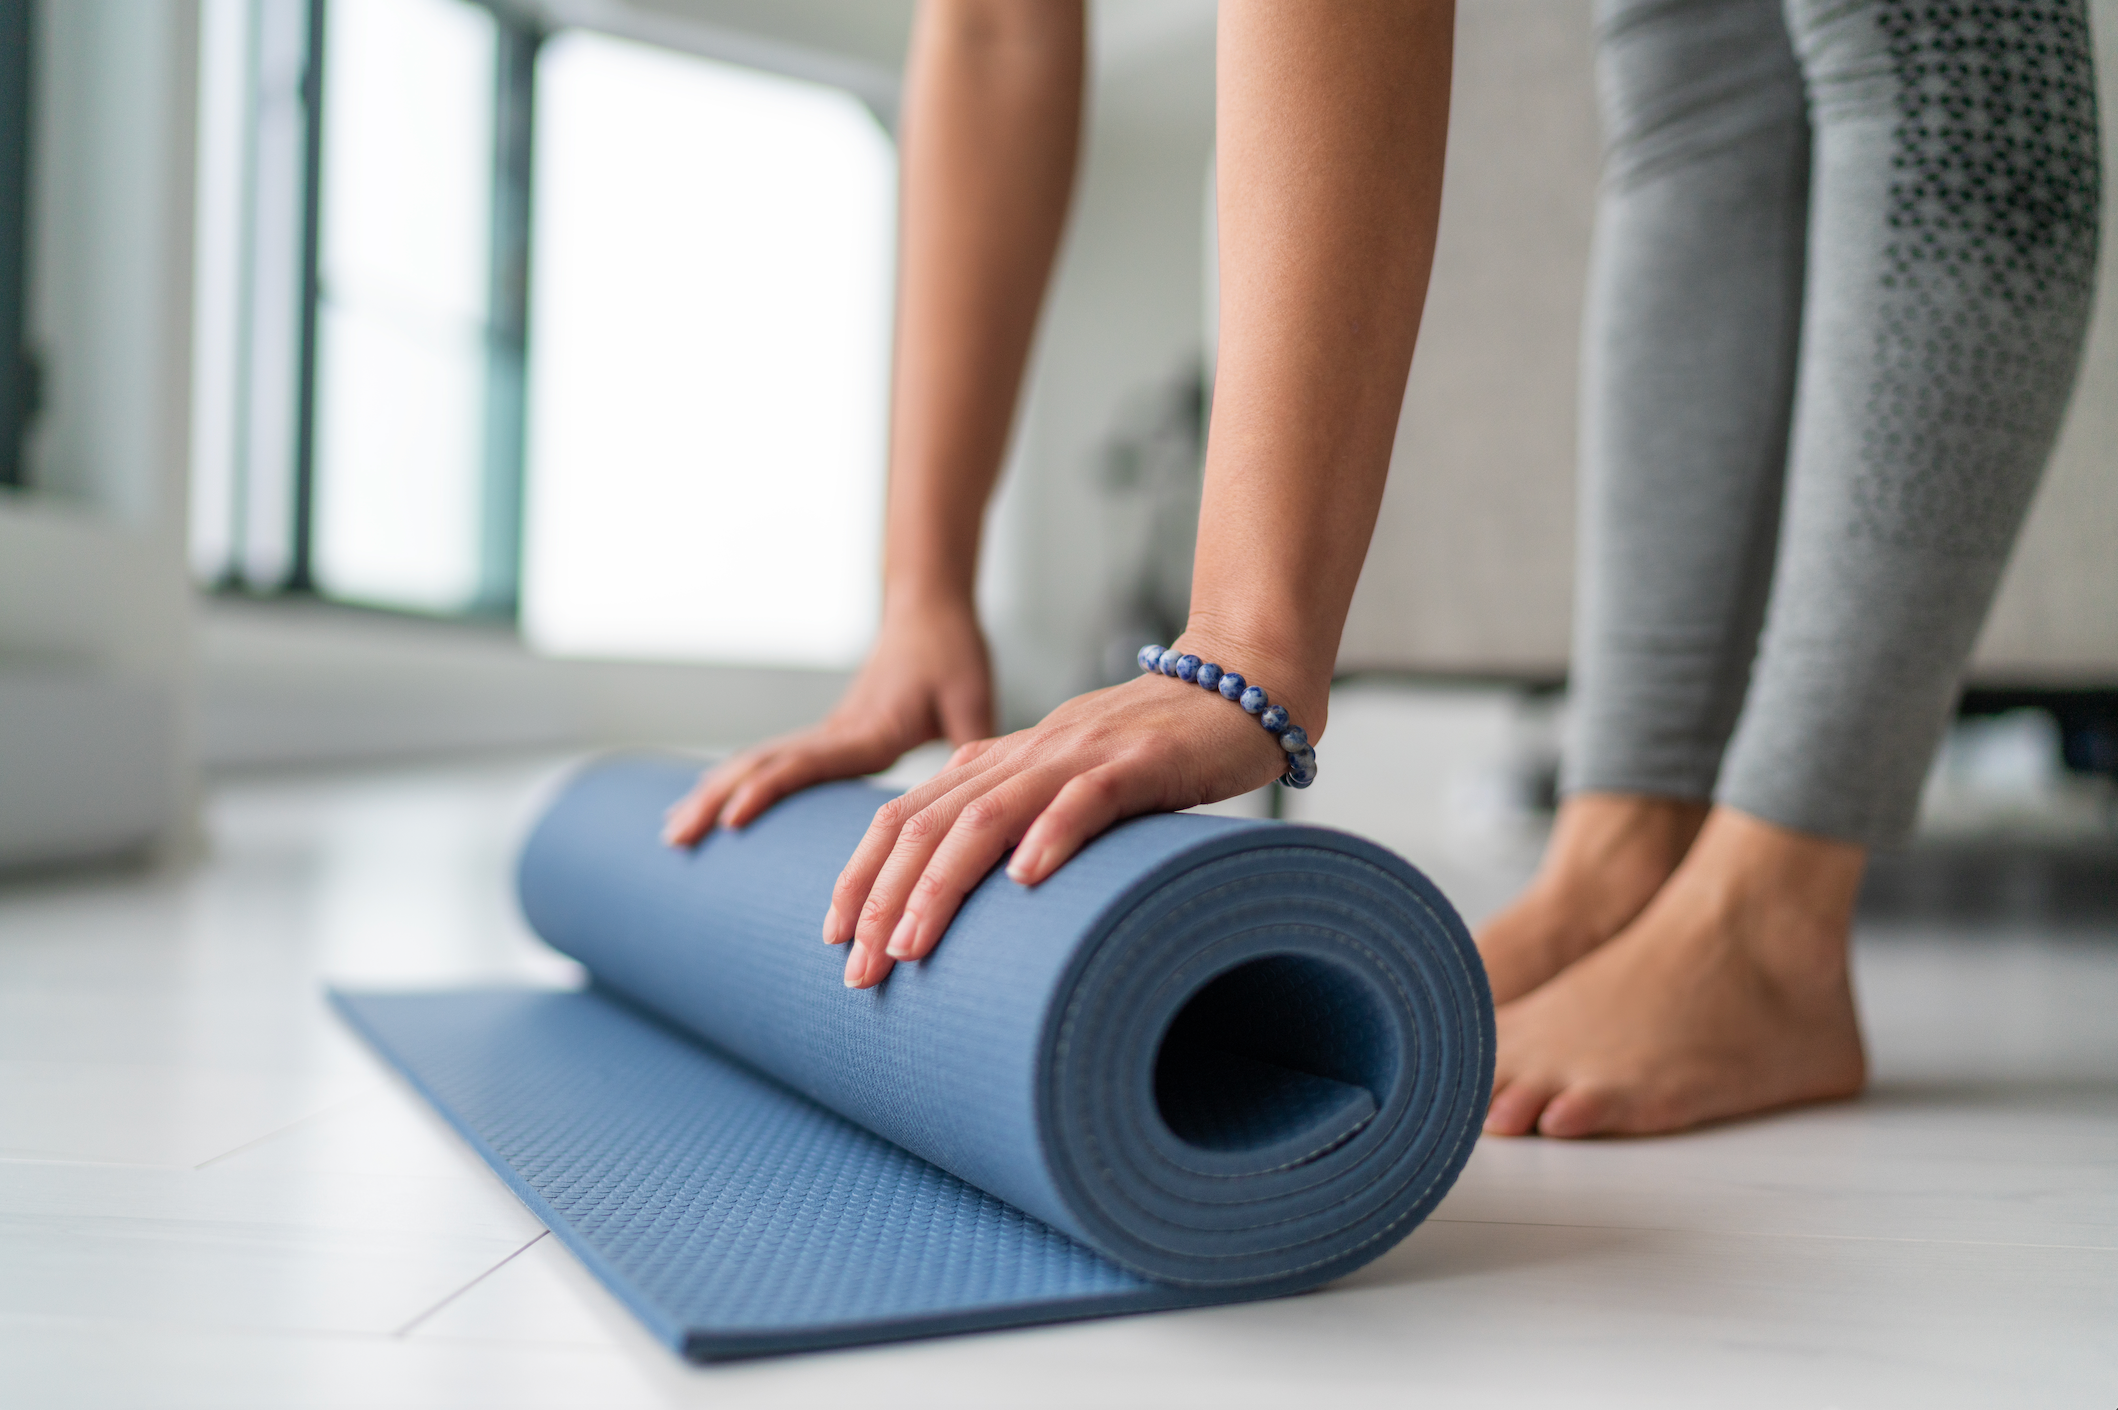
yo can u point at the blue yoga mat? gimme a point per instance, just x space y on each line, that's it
1210 1059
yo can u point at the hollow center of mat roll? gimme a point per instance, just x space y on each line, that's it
1279 1059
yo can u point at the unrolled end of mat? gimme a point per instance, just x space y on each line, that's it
734 1217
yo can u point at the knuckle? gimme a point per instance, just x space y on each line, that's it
891 815
984 814
922 825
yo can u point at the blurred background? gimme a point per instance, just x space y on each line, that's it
408 380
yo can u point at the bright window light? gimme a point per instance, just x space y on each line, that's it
709 360
404 270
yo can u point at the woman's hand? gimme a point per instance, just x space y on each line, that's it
927 678
1154 744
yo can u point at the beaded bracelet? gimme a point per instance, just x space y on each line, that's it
1301 759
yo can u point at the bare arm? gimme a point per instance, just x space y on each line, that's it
992 125
991 128
1332 122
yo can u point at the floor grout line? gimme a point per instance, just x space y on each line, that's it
279 1131
407 1329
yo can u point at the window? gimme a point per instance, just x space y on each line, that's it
709 360
662 436
404 275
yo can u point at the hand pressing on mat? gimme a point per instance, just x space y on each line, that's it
926 679
1151 745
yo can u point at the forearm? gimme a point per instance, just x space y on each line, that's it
1332 124
991 126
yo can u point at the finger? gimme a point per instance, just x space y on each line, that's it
1088 804
858 875
849 896
812 759
866 966
688 819
883 922
979 836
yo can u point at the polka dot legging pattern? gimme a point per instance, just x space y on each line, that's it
1842 275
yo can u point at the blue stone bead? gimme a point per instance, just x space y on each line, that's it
1231 686
1253 700
1294 739
1150 658
1299 780
1187 668
1209 675
1169 661
1274 720
1306 760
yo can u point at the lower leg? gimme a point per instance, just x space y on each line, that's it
1683 435
1609 853
1947 305
1946 308
1729 994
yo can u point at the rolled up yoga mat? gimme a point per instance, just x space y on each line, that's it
1209 1059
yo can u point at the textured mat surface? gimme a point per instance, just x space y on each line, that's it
1209 1060
734 1216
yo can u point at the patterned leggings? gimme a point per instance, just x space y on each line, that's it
1843 264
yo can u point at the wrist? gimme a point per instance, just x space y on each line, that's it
1301 687
927 600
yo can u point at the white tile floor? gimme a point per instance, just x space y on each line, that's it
211 1196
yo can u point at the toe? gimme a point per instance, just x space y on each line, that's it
1516 1107
1577 1111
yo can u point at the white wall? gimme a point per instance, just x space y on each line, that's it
96 658
1471 570
2056 621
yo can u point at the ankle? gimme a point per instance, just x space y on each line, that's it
1790 895
1610 852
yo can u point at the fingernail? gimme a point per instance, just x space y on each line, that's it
1019 869
856 966
831 926
900 946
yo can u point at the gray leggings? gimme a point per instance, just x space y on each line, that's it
1843 263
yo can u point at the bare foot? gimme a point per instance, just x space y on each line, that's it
1728 996
1609 854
